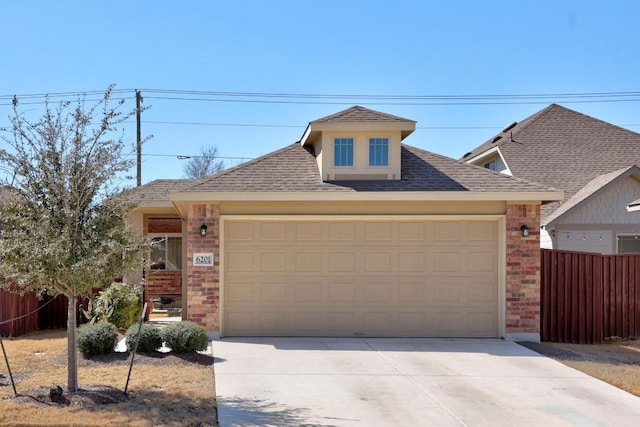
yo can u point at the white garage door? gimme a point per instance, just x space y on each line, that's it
381 278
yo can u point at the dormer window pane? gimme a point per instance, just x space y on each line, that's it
343 152
378 152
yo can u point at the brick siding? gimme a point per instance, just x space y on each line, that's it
522 270
203 283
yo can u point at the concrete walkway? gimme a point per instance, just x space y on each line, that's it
407 382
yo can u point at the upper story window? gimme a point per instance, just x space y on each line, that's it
378 151
493 165
343 152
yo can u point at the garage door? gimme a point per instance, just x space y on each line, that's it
349 277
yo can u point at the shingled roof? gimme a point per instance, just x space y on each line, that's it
360 114
564 149
295 169
157 190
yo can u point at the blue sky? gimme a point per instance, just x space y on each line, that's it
345 47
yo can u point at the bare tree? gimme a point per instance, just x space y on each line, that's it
65 232
205 164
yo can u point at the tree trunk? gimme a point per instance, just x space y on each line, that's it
72 352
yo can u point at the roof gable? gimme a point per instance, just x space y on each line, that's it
563 149
590 190
360 114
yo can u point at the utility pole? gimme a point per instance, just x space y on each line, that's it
138 140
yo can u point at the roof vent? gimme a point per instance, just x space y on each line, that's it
496 139
466 155
511 126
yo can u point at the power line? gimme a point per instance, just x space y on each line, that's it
343 99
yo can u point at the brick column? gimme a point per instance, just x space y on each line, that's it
203 283
522 274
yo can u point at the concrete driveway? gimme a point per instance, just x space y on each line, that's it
407 382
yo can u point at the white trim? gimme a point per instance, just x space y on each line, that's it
485 154
500 219
533 197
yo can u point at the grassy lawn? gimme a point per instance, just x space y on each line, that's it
165 389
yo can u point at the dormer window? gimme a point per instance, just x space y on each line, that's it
358 144
343 151
378 151
493 165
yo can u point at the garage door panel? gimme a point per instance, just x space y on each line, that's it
273 292
239 261
482 292
308 262
273 262
342 292
377 231
239 291
377 262
309 322
342 232
377 293
342 322
481 323
342 262
306 232
360 278
272 322
478 262
411 262
447 232
447 292
484 231
377 323
310 292
414 293
447 262
273 232
412 232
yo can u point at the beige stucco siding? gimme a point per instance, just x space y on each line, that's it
363 208
361 276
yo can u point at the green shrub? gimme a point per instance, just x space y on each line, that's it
150 339
97 338
125 302
185 337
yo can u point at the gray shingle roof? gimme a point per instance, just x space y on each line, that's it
360 114
295 169
157 190
564 149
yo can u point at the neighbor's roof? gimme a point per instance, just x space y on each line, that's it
295 169
360 114
563 149
157 190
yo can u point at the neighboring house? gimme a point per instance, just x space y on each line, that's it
593 162
350 232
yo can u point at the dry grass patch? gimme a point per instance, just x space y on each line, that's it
165 389
616 362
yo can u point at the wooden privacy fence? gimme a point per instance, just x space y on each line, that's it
33 314
587 297
14 305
